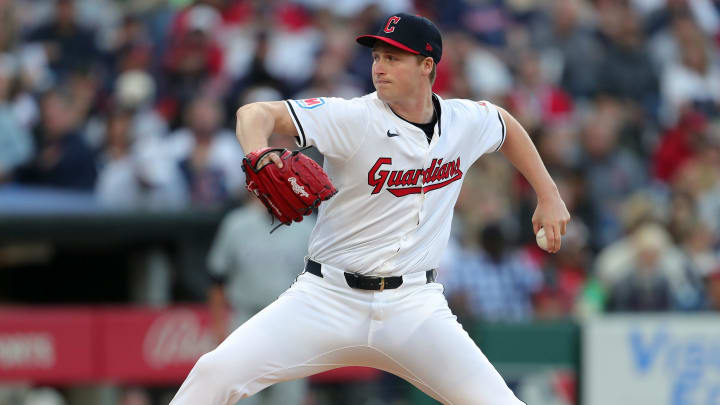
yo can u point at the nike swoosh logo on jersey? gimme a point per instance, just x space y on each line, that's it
390 134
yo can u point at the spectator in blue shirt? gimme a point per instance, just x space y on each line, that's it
493 283
63 160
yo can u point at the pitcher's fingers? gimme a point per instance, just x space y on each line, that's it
553 238
536 227
558 238
276 159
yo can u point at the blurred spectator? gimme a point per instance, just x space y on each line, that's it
131 48
661 14
128 179
236 35
570 38
479 68
63 160
700 177
492 282
256 74
331 77
284 57
612 172
645 287
682 215
626 71
193 58
559 147
293 44
135 92
209 156
646 271
679 144
533 100
700 259
692 81
666 45
16 145
129 57
350 8
485 20
69 46
9 26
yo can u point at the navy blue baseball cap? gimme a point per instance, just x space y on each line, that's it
410 33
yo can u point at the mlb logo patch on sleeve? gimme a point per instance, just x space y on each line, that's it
310 102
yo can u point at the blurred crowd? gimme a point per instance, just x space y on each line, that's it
133 102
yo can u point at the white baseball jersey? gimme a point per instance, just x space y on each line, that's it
396 193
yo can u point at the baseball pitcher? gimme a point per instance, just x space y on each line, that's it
394 164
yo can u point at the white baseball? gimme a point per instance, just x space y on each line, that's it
541 239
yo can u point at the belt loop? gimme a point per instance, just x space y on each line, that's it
314 267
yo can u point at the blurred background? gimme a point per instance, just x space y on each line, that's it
129 246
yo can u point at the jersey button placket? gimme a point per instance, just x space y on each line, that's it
421 196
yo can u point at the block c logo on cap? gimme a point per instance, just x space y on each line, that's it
391 21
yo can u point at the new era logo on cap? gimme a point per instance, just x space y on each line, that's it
410 33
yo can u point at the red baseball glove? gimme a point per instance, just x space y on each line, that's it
291 192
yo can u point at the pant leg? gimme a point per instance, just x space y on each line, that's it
424 344
287 392
303 332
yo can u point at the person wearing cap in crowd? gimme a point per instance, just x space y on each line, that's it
368 295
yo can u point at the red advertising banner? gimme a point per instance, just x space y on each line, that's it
48 346
154 346
123 344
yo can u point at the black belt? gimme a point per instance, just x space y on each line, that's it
367 282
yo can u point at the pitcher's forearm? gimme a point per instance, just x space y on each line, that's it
254 126
520 151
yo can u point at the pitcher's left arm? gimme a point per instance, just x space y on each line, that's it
551 212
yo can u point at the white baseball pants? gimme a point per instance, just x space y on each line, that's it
320 324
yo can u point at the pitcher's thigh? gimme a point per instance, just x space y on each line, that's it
275 345
439 357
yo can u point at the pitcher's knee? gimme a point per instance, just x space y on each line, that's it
210 368
226 373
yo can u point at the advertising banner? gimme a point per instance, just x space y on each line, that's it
47 346
139 345
658 360
153 346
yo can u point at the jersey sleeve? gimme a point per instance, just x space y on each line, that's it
492 128
335 126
